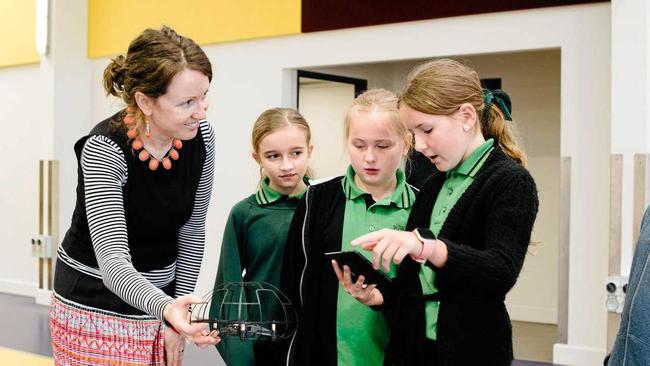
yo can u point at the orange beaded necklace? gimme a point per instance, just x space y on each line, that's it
138 144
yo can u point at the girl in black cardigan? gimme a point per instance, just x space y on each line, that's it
446 306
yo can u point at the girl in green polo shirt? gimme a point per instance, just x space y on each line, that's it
333 328
469 231
256 230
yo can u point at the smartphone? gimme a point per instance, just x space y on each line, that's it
360 265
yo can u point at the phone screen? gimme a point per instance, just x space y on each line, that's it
360 265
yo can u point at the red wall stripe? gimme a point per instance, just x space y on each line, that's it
320 15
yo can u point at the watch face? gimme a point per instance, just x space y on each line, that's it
425 233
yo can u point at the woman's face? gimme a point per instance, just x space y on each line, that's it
176 114
375 148
440 138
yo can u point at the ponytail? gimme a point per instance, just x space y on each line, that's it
494 123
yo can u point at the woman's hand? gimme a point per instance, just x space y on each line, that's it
174 347
205 338
389 245
367 295
178 315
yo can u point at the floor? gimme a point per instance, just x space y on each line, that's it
25 337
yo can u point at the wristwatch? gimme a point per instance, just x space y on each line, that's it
428 240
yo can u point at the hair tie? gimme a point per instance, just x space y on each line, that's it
501 99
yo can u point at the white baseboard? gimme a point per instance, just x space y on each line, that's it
533 314
565 354
14 287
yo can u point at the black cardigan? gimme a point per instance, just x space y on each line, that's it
307 276
487 234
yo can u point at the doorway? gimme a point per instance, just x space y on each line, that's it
323 100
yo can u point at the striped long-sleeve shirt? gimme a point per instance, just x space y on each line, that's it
105 173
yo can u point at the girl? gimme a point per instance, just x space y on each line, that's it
468 232
333 328
256 230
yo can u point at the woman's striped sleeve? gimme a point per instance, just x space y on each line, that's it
104 173
191 237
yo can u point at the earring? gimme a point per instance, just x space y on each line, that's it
465 128
147 130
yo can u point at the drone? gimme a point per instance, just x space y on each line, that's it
248 310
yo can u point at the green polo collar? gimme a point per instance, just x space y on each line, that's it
266 195
475 160
402 197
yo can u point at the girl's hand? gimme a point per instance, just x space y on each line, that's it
174 347
389 245
367 295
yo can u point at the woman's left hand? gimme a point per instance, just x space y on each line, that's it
174 347
389 245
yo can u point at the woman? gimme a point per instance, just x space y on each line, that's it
134 248
468 232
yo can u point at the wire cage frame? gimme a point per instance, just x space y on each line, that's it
248 310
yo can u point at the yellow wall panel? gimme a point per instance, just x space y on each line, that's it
112 24
18 32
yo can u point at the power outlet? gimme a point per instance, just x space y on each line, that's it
615 290
42 246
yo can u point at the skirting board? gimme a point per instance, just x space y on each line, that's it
565 354
21 288
532 314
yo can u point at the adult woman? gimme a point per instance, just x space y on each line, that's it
138 229
469 229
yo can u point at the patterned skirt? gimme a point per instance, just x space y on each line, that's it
86 336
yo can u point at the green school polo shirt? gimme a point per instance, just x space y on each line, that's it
253 240
456 182
362 333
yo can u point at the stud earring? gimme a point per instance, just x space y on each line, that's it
465 128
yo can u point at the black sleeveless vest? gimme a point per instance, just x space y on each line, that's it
156 205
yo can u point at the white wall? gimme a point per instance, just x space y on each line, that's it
630 101
27 139
71 95
46 107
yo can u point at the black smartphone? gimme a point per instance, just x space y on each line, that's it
360 265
